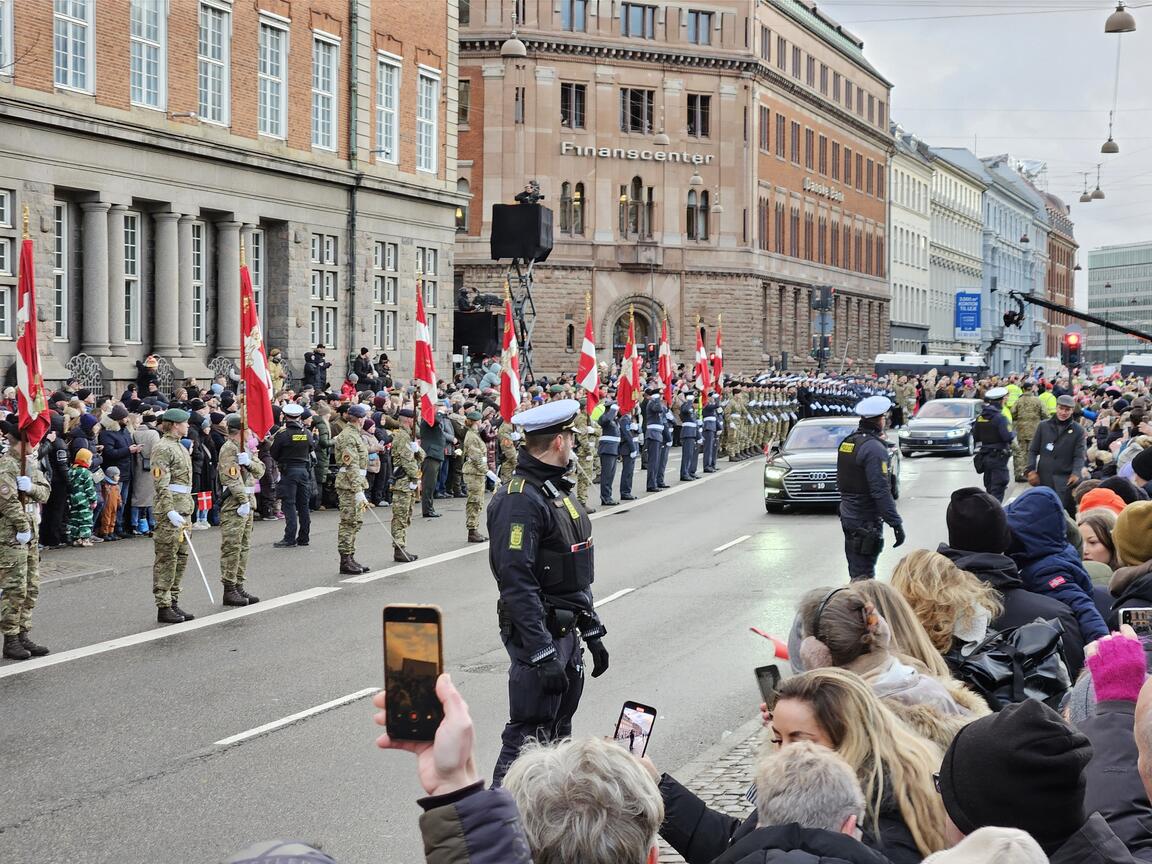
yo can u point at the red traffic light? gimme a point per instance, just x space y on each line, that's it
1072 340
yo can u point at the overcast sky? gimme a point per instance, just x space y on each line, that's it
1033 78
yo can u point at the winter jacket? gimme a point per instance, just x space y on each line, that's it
81 497
1094 843
143 486
432 440
1021 606
1131 586
116 439
794 844
473 826
1048 563
1114 788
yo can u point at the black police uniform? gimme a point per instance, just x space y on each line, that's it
708 439
608 449
541 556
629 450
654 420
689 437
992 433
292 450
865 499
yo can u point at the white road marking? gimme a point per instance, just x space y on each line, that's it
613 596
732 543
162 632
292 718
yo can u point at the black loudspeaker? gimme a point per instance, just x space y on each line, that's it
521 231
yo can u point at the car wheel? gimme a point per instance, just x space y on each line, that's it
971 445
895 486
907 454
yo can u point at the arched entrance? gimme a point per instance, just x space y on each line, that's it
643 330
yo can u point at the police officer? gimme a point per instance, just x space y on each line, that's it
541 556
609 452
689 437
292 450
866 490
708 426
238 472
994 436
654 439
629 452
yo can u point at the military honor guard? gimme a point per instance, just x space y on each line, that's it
475 471
238 471
172 477
351 454
406 468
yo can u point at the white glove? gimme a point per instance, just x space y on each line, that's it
23 537
363 472
515 436
243 510
413 486
458 452
244 458
175 518
493 476
361 499
24 483
414 447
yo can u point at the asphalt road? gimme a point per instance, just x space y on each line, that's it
115 747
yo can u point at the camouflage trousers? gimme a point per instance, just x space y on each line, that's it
235 542
171 559
351 518
506 468
474 506
21 586
1020 455
583 479
401 512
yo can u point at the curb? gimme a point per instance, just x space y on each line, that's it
74 578
691 770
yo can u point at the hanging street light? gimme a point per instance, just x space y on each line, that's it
1110 146
1120 21
1086 198
1097 193
512 46
695 179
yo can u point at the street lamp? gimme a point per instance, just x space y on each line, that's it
695 179
1120 21
512 46
1097 193
1086 198
1110 146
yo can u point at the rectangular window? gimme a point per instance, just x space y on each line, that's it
256 272
868 187
871 108
780 135
859 173
847 166
822 156
699 27
794 233
324 289
765 44
572 101
390 326
5 208
518 104
427 121
834 258
882 115
636 110
7 310
273 80
823 79
835 160
324 59
6 37
809 149
213 49
699 109
463 100
148 53
836 87
573 15
199 289
72 43
431 316
638 20
859 102
848 94
60 281
387 110
810 74
795 142
132 277
6 257
880 181
781 53
779 229
796 57
765 129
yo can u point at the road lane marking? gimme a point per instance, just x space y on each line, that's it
613 596
163 632
293 718
732 543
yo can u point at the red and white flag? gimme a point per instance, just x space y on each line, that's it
509 368
703 370
31 406
718 362
626 386
587 373
664 363
254 361
424 369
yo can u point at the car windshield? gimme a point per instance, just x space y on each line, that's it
940 410
817 436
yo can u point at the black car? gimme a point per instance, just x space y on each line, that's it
941 426
803 471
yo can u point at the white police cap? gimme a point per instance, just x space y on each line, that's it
555 416
996 393
292 409
874 406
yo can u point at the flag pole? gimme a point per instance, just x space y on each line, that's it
22 496
243 397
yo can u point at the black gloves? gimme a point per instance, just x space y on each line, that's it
599 657
898 531
552 676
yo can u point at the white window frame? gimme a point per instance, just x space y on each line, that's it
427 126
6 268
330 96
5 203
257 261
388 109
391 325
264 101
199 283
73 71
223 63
133 266
142 44
6 35
7 310
61 286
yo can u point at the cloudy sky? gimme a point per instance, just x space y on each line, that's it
1033 78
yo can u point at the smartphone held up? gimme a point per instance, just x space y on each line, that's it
413 660
634 727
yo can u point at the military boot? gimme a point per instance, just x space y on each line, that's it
251 598
399 553
187 616
475 536
30 646
232 597
15 650
352 560
168 615
348 567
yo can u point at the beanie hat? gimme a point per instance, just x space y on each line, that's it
83 457
1121 487
112 474
1002 845
1023 765
1132 535
1105 498
88 421
1142 464
976 522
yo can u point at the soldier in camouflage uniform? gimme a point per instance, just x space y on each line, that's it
475 469
405 482
238 473
585 453
506 438
351 455
1027 414
22 491
173 502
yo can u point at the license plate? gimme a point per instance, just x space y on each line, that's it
929 441
817 487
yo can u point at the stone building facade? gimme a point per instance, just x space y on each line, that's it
1059 281
320 136
699 163
955 247
910 227
1120 291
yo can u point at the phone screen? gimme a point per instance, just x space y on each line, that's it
634 727
768 677
412 663
1139 619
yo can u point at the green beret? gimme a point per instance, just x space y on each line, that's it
175 415
556 388
233 421
473 415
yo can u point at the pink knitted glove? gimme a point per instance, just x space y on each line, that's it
1118 668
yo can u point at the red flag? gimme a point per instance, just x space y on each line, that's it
31 407
587 374
626 386
254 361
425 369
718 362
703 381
509 368
664 364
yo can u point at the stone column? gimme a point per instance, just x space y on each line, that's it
228 289
116 279
165 286
95 303
184 283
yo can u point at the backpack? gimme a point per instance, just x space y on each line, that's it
1009 666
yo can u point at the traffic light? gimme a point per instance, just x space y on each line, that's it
1072 345
822 298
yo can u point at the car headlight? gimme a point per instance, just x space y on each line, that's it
903 433
774 472
957 433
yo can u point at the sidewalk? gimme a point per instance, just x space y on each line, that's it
720 776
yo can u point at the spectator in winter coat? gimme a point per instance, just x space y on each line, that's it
147 373
145 437
992 846
117 452
106 524
54 518
81 499
1131 584
316 369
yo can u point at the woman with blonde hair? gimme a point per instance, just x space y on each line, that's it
951 604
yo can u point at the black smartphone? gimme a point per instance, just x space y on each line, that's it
413 660
634 727
1139 618
768 677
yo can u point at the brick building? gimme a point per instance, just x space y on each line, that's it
699 163
1060 278
150 140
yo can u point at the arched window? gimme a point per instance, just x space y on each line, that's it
690 215
570 337
565 208
462 211
637 204
578 203
702 218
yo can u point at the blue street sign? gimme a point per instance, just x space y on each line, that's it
967 316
